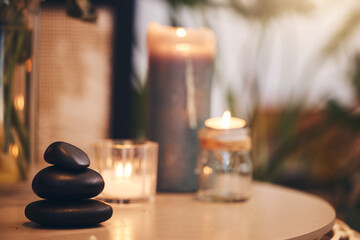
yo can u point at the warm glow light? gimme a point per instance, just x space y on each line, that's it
29 65
180 32
19 102
120 171
127 171
182 47
14 150
207 170
225 120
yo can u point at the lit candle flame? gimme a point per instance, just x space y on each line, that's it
181 32
120 171
225 120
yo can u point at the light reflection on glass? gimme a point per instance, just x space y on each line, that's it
14 150
181 32
19 102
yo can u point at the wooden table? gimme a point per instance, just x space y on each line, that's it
273 212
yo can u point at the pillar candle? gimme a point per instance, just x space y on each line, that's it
179 80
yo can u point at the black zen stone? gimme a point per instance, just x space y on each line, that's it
57 184
68 214
66 156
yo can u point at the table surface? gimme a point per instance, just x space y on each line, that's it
273 212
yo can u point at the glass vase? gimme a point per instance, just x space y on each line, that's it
18 85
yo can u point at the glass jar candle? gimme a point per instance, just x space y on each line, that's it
224 166
129 169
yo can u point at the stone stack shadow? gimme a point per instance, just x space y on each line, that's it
67 187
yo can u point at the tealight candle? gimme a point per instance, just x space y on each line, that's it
225 122
225 133
129 169
224 165
120 182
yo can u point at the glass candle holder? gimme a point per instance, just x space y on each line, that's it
129 169
224 165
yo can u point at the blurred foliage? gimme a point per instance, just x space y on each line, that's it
16 43
15 50
138 117
13 11
82 9
260 10
344 32
314 150
177 3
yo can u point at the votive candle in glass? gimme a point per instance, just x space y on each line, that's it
129 169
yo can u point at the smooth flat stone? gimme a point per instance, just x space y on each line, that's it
66 156
68 214
57 184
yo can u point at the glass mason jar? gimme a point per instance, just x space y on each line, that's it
17 88
224 166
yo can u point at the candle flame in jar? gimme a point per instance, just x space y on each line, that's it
127 170
120 171
225 120
207 170
181 32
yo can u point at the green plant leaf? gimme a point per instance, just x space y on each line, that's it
82 9
176 3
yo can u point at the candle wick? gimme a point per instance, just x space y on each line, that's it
190 94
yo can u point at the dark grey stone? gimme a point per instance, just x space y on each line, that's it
57 184
68 214
66 156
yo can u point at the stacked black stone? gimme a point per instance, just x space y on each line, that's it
67 187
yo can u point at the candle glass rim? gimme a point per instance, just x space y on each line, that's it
125 143
219 131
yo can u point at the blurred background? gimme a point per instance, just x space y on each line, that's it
290 68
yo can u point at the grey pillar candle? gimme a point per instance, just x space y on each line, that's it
179 79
